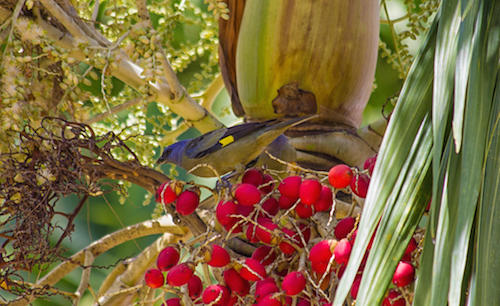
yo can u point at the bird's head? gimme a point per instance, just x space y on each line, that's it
173 153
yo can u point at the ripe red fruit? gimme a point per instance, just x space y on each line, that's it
214 293
370 164
265 287
306 233
324 302
223 212
253 270
195 286
286 202
244 210
265 229
359 185
251 233
325 200
187 202
309 191
236 283
167 258
165 194
404 274
179 275
271 206
293 283
322 251
265 254
290 186
247 194
355 286
342 251
252 176
268 300
303 302
319 266
344 227
291 236
340 176
394 298
154 278
217 256
267 186
412 246
304 211
173 302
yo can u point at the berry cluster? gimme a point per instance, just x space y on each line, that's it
291 260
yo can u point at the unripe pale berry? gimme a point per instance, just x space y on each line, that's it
217 256
154 278
340 176
293 283
344 227
290 186
265 254
265 287
167 258
404 274
179 274
325 200
252 176
187 202
236 283
359 185
253 270
247 194
310 190
342 251
214 293
394 298
195 287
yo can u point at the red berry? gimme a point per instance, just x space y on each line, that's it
165 194
293 283
303 302
253 270
291 236
252 176
268 300
290 186
244 210
309 191
370 164
412 246
265 254
355 286
154 278
265 229
167 258
319 266
265 287
286 202
271 206
217 256
187 202
224 211
404 274
324 302
325 200
394 298
359 185
344 227
340 176
173 302
267 186
236 283
179 275
195 286
304 211
340 271
215 293
251 233
342 251
247 195
321 251
306 233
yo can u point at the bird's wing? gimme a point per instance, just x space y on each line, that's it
230 135
202 143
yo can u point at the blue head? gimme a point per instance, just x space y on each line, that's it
173 153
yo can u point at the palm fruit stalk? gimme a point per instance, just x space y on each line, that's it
295 57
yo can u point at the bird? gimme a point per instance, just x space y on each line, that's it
228 148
